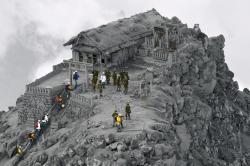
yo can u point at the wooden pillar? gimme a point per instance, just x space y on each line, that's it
70 74
86 77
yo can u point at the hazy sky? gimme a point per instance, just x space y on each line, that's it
33 31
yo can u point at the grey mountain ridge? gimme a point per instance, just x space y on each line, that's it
186 108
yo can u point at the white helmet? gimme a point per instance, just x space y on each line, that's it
120 114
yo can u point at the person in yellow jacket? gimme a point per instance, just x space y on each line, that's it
19 150
119 124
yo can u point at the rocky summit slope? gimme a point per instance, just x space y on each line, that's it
195 115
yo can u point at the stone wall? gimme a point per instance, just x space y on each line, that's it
78 107
37 101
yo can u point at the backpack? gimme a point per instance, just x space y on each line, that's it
75 76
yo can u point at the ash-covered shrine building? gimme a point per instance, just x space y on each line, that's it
144 34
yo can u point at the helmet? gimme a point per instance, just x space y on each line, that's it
68 83
39 120
120 114
103 73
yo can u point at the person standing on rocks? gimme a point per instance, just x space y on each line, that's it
114 115
103 80
125 84
94 81
99 86
114 76
108 75
68 88
38 128
118 84
32 136
128 111
75 78
119 124
122 75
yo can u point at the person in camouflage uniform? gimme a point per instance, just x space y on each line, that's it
95 73
128 111
125 84
118 83
94 81
114 115
108 75
99 86
122 75
114 76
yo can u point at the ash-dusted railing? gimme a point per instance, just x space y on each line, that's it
46 91
38 90
80 99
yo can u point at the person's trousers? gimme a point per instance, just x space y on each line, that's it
128 116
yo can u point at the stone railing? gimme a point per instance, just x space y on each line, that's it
80 99
38 90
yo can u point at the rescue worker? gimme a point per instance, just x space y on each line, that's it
58 102
118 83
43 124
126 75
122 75
18 151
95 73
32 136
46 117
125 84
108 75
128 111
114 76
119 122
75 78
37 128
68 88
114 115
103 79
94 81
99 86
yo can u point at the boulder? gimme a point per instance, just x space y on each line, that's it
121 162
81 150
139 158
146 149
42 159
110 139
227 154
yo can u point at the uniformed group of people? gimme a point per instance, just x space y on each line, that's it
118 117
119 79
